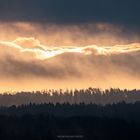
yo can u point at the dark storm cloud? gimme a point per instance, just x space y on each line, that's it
71 11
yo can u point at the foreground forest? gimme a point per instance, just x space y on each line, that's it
64 121
89 114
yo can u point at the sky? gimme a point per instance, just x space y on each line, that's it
47 44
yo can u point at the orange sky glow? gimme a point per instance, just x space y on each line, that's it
36 57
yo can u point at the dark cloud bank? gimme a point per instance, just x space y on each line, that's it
71 11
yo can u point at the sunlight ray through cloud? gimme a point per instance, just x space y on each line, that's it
43 52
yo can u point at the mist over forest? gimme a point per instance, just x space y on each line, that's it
86 96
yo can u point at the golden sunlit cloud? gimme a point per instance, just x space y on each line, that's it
28 61
101 34
42 52
36 56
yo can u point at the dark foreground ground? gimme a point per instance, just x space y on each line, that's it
51 122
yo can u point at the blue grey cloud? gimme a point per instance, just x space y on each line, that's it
71 11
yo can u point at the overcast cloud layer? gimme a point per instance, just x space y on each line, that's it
77 43
123 12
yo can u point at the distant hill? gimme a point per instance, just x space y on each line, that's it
87 96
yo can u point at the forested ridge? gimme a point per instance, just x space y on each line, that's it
87 96
89 114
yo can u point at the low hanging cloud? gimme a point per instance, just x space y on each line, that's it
100 34
30 52
27 58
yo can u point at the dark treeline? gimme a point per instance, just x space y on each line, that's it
89 114
126 111
87 96
64 121
41 127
